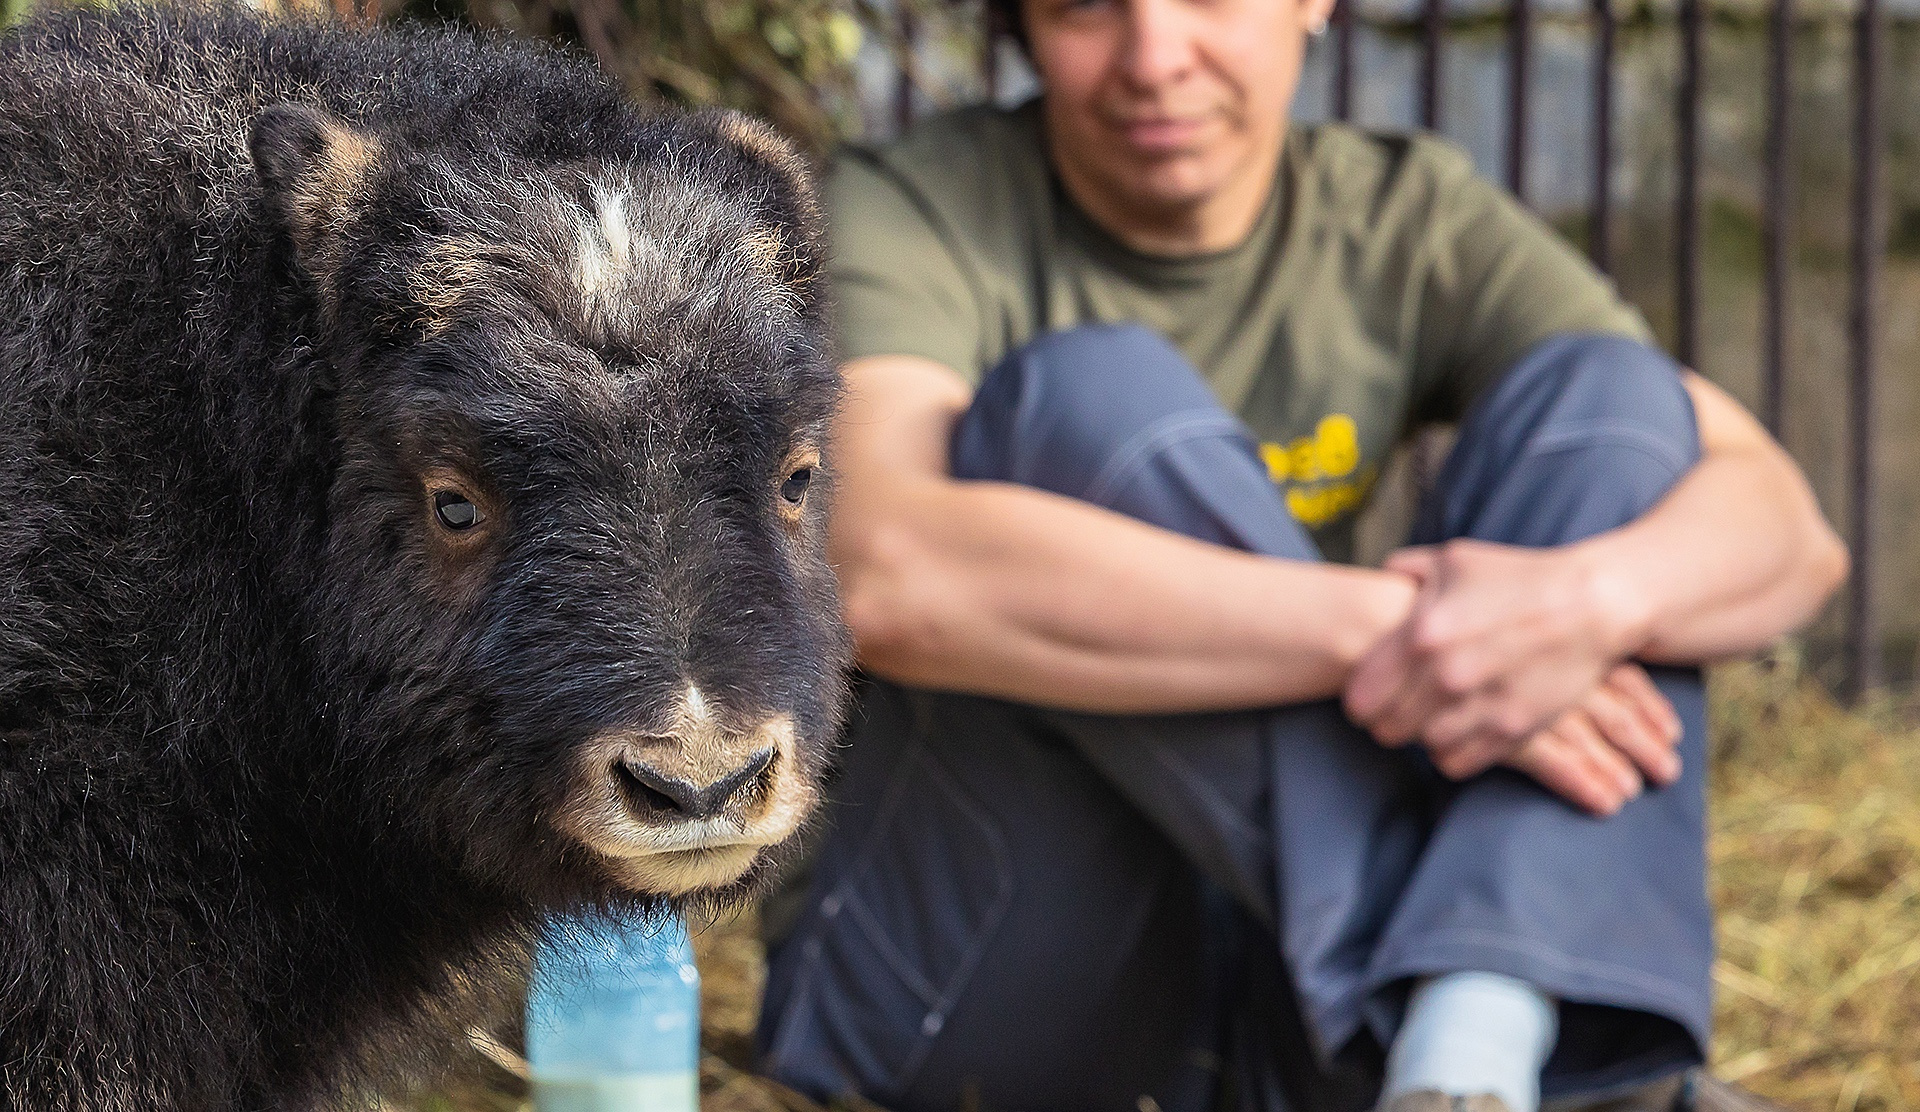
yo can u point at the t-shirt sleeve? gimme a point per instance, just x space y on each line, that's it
1497 282
900 286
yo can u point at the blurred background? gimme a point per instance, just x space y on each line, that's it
1749 173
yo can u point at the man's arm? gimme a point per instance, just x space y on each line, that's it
1008 591
1502 640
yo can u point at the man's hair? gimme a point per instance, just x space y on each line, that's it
1003 18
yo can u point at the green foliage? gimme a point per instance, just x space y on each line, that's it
791 61
1905 239
13 11
788 60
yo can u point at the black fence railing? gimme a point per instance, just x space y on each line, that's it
1867 216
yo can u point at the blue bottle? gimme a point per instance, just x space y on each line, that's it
613 1018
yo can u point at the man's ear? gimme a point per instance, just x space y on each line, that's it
1315 14
308 163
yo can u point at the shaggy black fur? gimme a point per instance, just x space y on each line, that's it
279 753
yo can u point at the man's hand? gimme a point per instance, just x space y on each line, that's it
1502 641
1600 754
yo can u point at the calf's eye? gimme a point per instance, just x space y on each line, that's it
795 488
454 511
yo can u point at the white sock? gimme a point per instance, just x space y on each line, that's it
1472 1032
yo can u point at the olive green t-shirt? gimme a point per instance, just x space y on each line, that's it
1384 285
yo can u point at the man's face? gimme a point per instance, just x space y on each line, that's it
1160 104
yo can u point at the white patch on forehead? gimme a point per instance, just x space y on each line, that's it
607 245
611 208
697 708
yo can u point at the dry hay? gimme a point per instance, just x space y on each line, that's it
1816 872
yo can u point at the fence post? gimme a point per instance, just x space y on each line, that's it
1435 23
1519 51
1600 203
1868 235
1343 48
1779 218
904 79
1686 294
990 32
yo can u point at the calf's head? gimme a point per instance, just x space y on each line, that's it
577 620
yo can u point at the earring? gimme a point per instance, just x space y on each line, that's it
1318 29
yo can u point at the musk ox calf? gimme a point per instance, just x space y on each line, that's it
410 524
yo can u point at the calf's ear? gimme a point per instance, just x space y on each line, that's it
763 143
308 163
792 239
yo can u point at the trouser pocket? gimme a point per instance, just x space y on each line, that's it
899 924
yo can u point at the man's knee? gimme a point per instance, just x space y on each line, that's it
1055 410
1583 434
1571 392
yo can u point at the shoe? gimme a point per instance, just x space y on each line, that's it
1433 1100
1669 1094
1693 1091
1702 1092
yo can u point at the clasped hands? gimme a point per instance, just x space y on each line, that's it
1518 657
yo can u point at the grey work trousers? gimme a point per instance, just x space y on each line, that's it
1020 908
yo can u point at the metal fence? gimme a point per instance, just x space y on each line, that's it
1867 223
1867 219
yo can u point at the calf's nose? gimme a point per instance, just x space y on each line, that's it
665 796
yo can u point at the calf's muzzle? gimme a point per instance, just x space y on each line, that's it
690 803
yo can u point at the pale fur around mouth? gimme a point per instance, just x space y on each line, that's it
679 860
680 872
675 858
615 833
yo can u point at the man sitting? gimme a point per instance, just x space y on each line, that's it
1153 800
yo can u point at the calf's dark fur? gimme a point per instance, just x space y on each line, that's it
410 524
